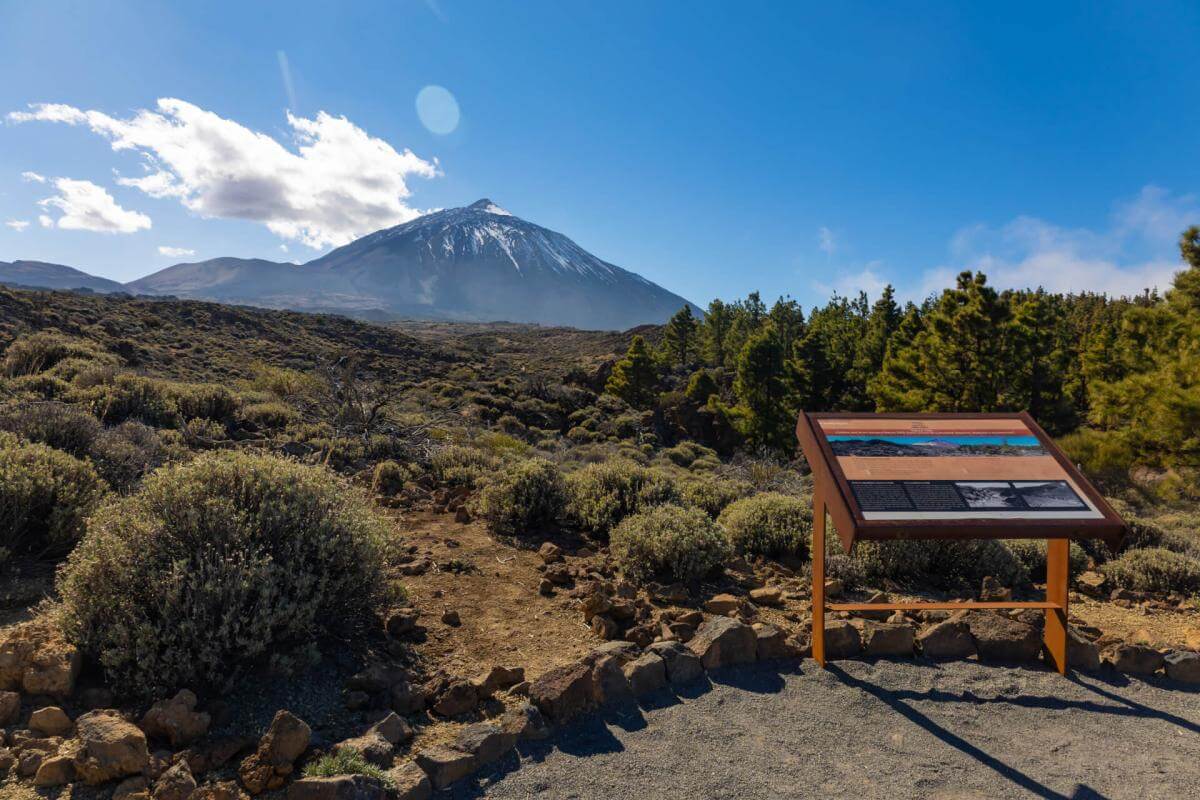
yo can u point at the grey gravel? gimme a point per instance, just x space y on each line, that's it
863 730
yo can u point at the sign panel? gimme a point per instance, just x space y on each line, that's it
952 468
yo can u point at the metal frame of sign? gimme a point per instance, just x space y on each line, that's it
833 496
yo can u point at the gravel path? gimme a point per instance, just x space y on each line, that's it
885 730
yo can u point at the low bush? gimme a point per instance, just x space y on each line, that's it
524 497
213 566
768 524
685 454
668 541
462 466
1154 569
63 427
46 496
942 564
270 415
124 453
41 351
1032 555
129 397
389 477
599 496
712 495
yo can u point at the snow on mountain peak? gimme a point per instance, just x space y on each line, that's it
487 206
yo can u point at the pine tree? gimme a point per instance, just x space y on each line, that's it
634 378
715 333
872 347
680 338
764 388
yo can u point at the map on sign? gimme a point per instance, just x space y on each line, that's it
911 469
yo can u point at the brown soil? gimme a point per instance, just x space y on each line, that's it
504 621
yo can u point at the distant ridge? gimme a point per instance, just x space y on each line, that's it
43 275
477 263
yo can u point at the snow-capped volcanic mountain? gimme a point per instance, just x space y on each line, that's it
474 263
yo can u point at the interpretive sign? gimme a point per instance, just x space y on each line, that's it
949 476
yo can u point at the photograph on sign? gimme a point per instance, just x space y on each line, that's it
901 469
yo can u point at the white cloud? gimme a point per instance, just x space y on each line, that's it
32 177
826 242
337 184
849 283
88 207
175 252
17 225
46 221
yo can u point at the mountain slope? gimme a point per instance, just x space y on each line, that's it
482 263
52 276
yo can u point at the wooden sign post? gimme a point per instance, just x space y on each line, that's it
882 477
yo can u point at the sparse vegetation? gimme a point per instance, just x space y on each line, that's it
345 761
523 498
681 544
768 524
1154 569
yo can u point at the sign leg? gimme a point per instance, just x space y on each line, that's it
818 576
1057 580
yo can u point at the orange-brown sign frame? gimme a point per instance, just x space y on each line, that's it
834 496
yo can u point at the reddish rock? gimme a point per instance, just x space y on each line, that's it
946 640
445 765
1136 659
50 721
176 720
722 641
841 640
887 639
109 747
564 692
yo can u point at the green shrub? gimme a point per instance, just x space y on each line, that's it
46 496
523 497
41 387
202 400
345 761
41 351
601 495
685 453
59 425
943 564
270 415
768 524
389 477
123 454
213 566
681 544
129 397
462 466
712 495
1032 555
1154 569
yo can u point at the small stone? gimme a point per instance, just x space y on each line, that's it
285 740
176 783
1136 659
886 639
337 787
559 575
458 698
841 640
10 708
134 788
992 591
998 638
1183 666
1091 583
406 698
410 782
946 640
550 553
545 587
609 684
772 643
402 622
451 618
486 741
605 627
564 692
497 679
646 673
875 599
678 631
50 721
1082 654
525 721
770 596
722 604
683 666
109 747
722 641
176 720
834 587
445 765
54 771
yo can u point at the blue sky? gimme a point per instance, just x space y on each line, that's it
714 148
